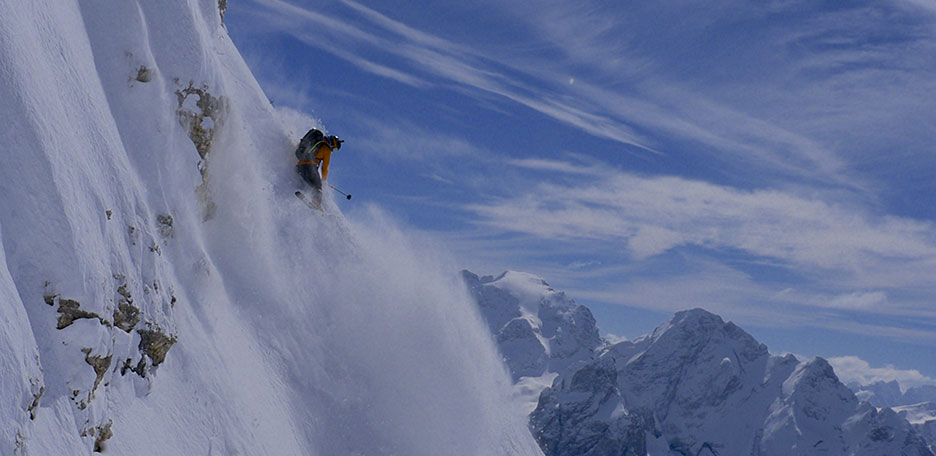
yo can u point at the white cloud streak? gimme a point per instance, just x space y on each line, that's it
859 300
842 262
926 5
653 215
854 369
406 141
563 167
836 90
437 57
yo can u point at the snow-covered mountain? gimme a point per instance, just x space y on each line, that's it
695 386
923 417
698 385
917 404
879 394
889 394
162 292
917 394
539 331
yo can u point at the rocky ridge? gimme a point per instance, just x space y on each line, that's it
539 331
697 385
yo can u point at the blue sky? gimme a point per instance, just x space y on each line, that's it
771 162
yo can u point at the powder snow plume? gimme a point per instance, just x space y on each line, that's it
163 292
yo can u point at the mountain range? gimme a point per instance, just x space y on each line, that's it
696 385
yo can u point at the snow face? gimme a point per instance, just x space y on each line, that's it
164 293
21 380
539 331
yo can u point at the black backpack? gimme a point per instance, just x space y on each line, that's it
312 137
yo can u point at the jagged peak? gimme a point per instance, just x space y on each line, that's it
507 276
703 327
517 276
889 384
820 367
697 314
692 320
529 288
816 374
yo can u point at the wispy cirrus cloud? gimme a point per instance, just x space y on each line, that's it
926 5
654 214
564 167
402 140
767 257
783 97
814 95
602 112
439 60
859 300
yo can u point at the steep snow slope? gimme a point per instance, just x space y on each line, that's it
698 385
164 293
539 331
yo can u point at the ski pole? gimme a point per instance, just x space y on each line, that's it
339 191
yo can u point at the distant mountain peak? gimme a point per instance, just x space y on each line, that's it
819 368
696 385
890 393
690 329
540 331
817 376
696 313
513 279
693 320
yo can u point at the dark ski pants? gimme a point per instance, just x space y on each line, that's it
310 174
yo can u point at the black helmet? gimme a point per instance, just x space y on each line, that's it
336 143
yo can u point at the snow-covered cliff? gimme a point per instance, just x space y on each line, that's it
162 291
539 331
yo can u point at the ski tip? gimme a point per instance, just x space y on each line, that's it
311 203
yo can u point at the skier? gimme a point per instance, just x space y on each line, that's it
315 149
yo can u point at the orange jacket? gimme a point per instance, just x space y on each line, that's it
323 156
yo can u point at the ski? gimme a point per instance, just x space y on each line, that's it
312 204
